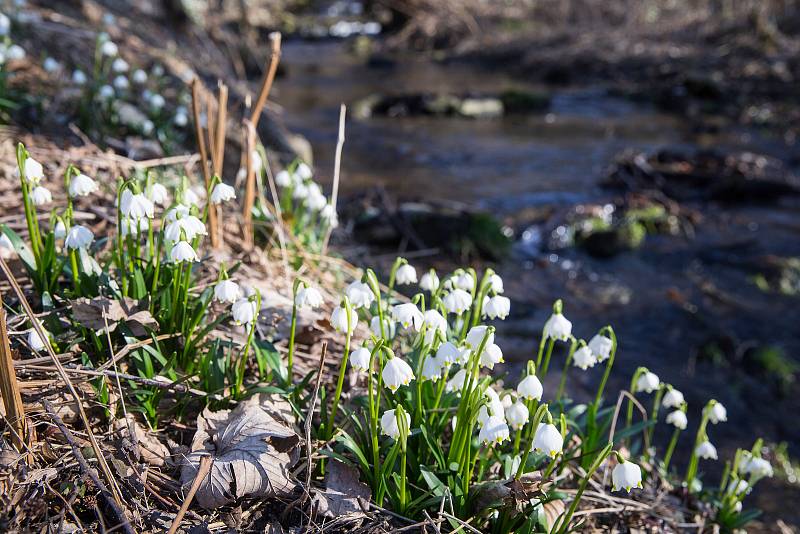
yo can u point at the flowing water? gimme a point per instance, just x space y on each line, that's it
665 300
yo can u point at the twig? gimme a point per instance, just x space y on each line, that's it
9 389
202 472
250 184
269 77
337 164
201 147
219 150
86 470
81 412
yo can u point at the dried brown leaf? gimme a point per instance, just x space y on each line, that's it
89 313
343 491
552 511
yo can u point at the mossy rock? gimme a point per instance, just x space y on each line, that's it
617 238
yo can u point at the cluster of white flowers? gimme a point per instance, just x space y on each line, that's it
300 191
8 50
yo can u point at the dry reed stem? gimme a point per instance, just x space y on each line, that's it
219 150
250 184
202 472
201 147
101 459
9 389
337 164
269 77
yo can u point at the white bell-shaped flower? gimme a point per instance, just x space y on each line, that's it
548 440
457 301
78 237
463 280
79 77
647 382
406 274
677 419
583 358
530 388
756 467
429 281
303 171
448 353
34 172
15 53
328 215
283 179
558 327
316 201
434 322
601 347
339 319
121 82
626 475
81 186
40 196
408 315
672 399
105 93
133 227
308 297
60 230
158 194
120 65
476 335
456 383
494 431
6 247
718 413
496 283
5 25
359 359
517 415
157 102
139 76
390 424
177 212
244 311
35 341
497 307
136 205
181 120
227 291
397 373
360 294
222 193
182 251
51 65
109 49
388 327
432 368
706 450
491 356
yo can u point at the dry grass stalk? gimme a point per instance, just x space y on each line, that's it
250 184
219 151
101 459
9 388
202 472
201 147
337 164
269 77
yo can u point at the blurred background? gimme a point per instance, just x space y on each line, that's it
637 159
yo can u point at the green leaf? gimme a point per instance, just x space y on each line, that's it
22 249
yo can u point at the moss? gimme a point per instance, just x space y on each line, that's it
774 363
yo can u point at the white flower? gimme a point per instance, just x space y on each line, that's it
431 368
136 205
718 413
397 373
222 193
255 161
706 450
601 347
583 358
740 487
190 197
328 215
129 226
78 237
360 294
5 25
157 102
517 415
389 423
308 297
456 383
109 49
119 65
51 65
40 195
339 319
283 179
408 315
647 382
6 247
435 322
375 327
300 192
303 171
79 77
429 281
35 341
672 399
359 359
244 311
182 251
494 431
530 388
491 355
158 194
227 291
548 440
147 127
448 353
60 230
81 185
316 201
677 419
139 76
463 280
34 172
626 475
476 335
173 214
457 301
181 119
121 82
105 92
187 227
406 274
496 307
15 53
496 283
757 467
557 327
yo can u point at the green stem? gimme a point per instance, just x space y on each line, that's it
342 370
563 380
76 279
290 358
564 523
671 448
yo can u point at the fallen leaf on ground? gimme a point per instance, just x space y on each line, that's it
343 491
151 449
252 450
89 313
